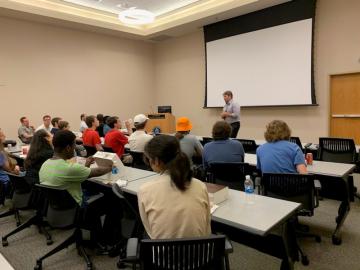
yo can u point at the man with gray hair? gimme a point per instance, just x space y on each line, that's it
231 113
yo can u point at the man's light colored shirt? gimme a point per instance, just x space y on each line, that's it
138 140
48 129
233 108
83 126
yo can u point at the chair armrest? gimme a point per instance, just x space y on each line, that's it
94 198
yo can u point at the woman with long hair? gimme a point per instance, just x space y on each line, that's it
40 150
174 205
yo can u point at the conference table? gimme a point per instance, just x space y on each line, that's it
327 171
261 224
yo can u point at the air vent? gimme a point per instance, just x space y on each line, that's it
160 38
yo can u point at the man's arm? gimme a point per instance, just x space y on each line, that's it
235 108
301 168
99 171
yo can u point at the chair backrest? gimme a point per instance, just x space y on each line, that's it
291 187
90 150
297 141
250 146
138 161
62 208
189 253
231 174
206 140
22 191
108 149
337 150
131 221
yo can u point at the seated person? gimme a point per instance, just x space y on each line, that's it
59 171
139 138
83 125
64 125
106 127
114 138
7 164
55 122
25 131
100 128
189 144
174 205
79 148
90 136
40 150
279 155
46 124
222 149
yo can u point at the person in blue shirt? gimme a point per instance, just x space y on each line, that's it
222 149
279 155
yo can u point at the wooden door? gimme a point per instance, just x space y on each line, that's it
345 106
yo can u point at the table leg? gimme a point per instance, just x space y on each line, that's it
343 211
289 241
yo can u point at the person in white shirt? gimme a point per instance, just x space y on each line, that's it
139 138
83 125
46 124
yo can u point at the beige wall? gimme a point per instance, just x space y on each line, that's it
49 69
46 69
180 75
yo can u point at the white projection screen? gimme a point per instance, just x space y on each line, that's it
271 66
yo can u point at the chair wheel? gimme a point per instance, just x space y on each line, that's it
89 267
318 239
305 260
120 265
336 240
49 242
5 243
38 266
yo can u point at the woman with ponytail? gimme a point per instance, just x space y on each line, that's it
174 205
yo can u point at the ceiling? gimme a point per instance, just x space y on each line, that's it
173 17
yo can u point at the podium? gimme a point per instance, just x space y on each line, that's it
165 121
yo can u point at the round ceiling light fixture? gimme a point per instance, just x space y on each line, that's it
136 16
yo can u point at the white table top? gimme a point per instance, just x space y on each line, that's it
258 218
318 167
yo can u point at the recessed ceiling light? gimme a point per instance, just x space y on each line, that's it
136 16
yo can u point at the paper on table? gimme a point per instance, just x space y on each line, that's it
121 183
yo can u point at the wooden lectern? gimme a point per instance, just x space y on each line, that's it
165 121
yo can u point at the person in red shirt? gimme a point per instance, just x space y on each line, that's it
90 136
114 138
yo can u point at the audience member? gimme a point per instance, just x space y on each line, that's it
189 144
139 138
46 124
64 125
7 164
100 128
83 124
222 149
25 131
279 155
106 128
40 150
114 138
55 122
90 136
58 171
174 205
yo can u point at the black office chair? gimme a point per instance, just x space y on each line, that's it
90 150
138 161
64 212
23 198
107 149
231 174
337 150
182 253
297 141
250 146
297 188
206 140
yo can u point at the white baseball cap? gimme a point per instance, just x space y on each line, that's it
140 118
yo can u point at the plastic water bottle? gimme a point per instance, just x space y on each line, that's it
249 190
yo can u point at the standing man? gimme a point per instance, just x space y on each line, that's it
25 131
231 113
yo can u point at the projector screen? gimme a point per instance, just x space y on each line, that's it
270 66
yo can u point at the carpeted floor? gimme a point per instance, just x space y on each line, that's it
28 245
